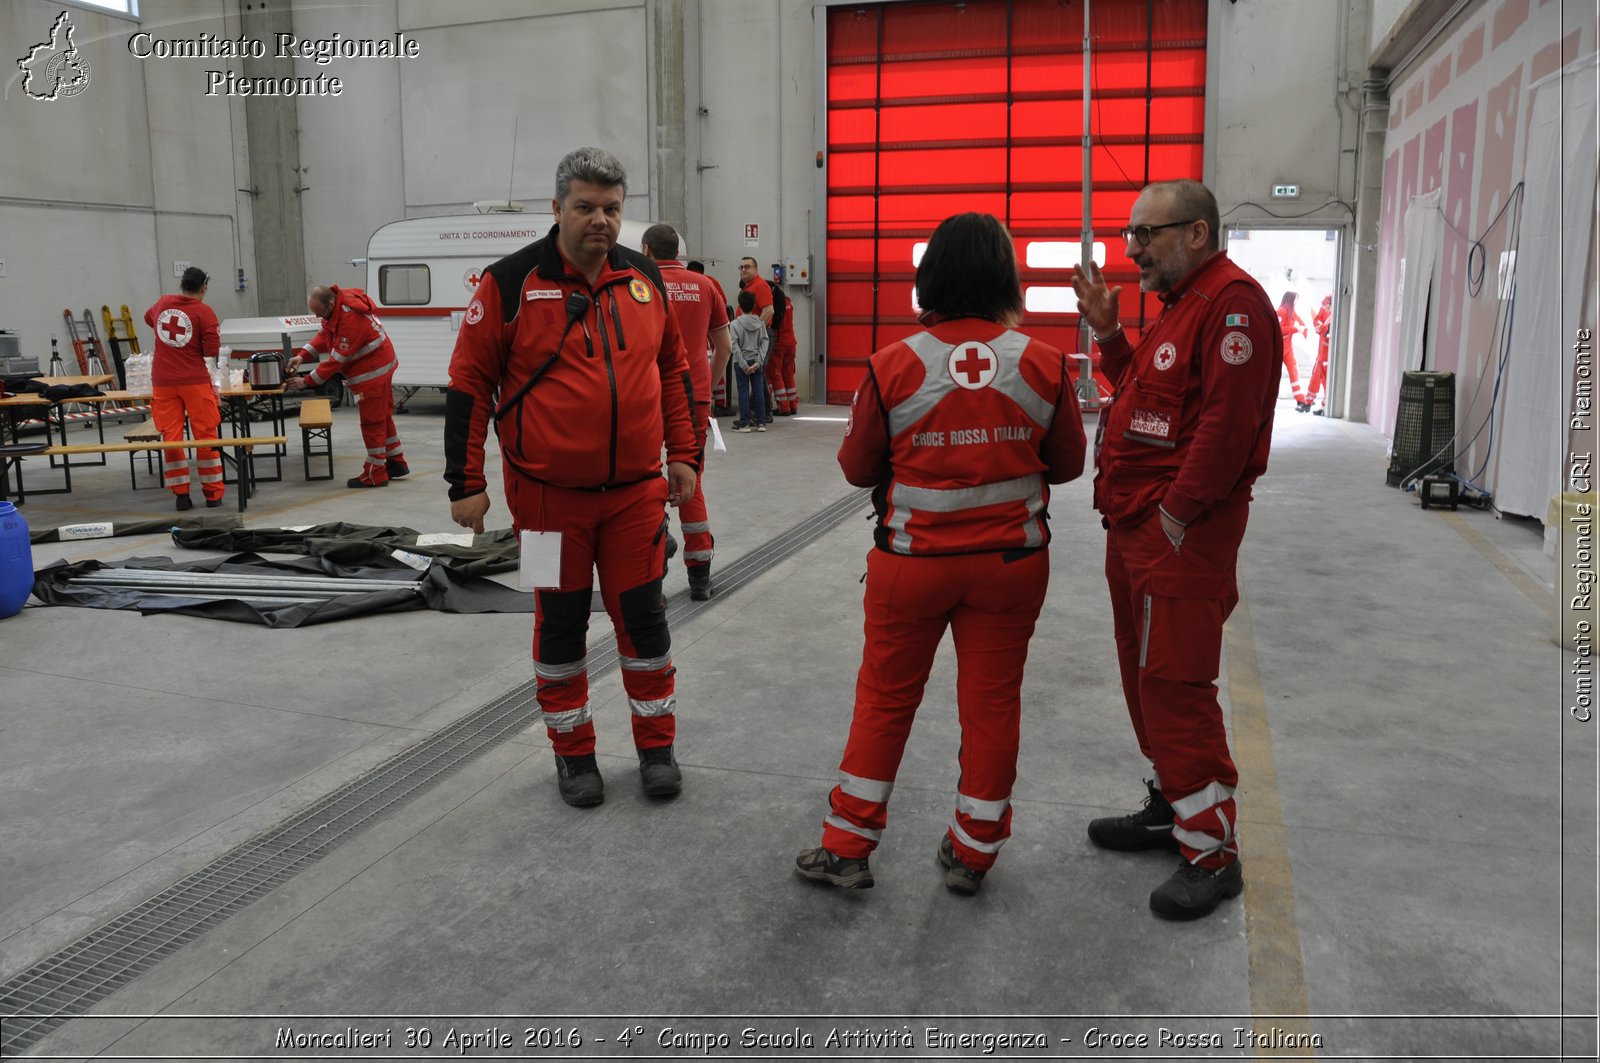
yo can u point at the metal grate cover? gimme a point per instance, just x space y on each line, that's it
69 983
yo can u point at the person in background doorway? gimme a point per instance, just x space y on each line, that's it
187 339
356 345
698 306
960 543
1322 322
751 280
569 349
749 339
1289 322
1185 438
780 367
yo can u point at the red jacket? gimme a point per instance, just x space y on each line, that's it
1191 422
187 338
354 338
959 429
584 400
699 309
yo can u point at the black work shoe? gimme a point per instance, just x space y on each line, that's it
185 503
700 589
213 503
579 780
1193 891
360 481
658 769
396 469
848 873
1148 828
958 877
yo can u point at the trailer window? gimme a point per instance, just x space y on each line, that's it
403 285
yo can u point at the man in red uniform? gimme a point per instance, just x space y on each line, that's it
187 339
1290 322
359 348
1185 437
960 430
1322 321
752 281
569 348
702 317
780 367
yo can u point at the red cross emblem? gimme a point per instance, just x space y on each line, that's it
973 365
471 279
1236 348
174 328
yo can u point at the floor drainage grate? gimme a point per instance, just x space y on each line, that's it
72 981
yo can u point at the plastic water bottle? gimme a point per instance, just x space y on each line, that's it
16 561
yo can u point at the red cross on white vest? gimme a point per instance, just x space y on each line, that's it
972 363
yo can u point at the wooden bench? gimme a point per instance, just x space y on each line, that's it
316 427
240 445
142 433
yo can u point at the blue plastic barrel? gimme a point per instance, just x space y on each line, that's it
16 561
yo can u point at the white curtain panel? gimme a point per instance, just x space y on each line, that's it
1558 222
1424 236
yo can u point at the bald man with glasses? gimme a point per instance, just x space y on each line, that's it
1183 441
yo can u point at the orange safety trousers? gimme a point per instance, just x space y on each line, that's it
171 403
990 602
698 545
621 531
780 374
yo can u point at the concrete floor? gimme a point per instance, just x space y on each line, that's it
1418 809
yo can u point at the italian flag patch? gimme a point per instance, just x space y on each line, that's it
1242 320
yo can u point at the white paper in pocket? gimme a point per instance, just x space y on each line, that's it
540 567
716 437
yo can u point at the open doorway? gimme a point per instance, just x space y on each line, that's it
1304 262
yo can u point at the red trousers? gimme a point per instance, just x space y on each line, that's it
170 404
1168 608
1319 372
1291 368
698 545
780 374
622 533
375 407
990 605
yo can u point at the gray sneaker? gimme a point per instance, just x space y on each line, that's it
847 873
958 877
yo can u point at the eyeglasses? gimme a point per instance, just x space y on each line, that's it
1142 233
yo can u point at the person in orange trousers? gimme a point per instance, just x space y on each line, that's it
1289 323
961 543
187 339
1322 322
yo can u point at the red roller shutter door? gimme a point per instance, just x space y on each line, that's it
938 108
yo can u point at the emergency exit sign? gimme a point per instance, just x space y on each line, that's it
1285 191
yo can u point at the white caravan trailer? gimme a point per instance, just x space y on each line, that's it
422 272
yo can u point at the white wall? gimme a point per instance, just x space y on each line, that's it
101 191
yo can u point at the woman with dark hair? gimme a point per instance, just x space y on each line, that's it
1289 322
959 429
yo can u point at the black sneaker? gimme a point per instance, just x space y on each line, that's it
1148 828
396 469
213 503
958 877
1193 891
658 769
579 780
700 589
846 873
185 503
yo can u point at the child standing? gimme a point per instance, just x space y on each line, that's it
748 338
